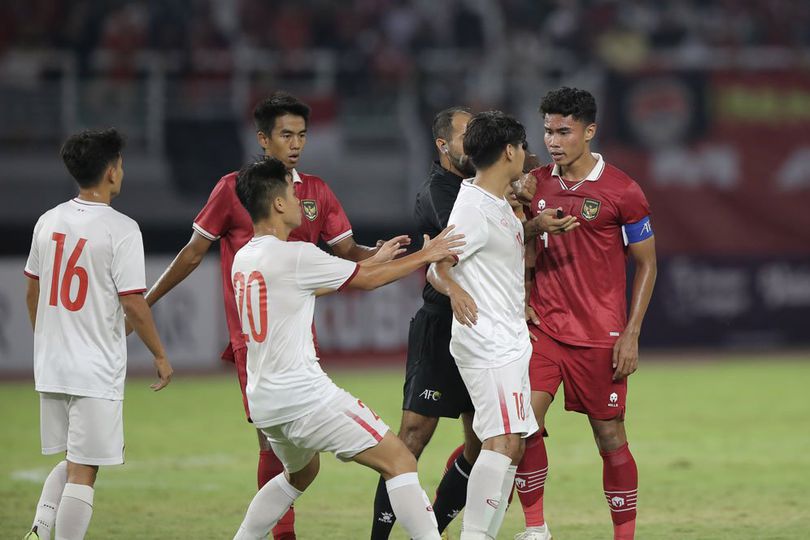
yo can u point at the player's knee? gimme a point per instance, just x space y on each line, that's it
402 461
416 435
609 435
81 474
302 479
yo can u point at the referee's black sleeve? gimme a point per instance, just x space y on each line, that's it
443 198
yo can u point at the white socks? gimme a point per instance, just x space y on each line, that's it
506 490
45 516
74 513
412 507
266 508
485 495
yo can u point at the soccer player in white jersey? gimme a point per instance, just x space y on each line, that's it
295 404
85 272
492 351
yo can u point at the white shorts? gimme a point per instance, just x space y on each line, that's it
344 425
91 430
502 399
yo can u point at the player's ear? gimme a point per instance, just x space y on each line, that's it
590 132
262 139
441 146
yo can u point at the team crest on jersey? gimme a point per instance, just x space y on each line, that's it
310 209
590 209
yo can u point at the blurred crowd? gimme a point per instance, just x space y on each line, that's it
386 34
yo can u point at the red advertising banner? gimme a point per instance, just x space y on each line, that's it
724 158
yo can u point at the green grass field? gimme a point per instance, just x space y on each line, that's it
723 450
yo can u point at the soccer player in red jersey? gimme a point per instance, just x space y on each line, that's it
577 307
281 124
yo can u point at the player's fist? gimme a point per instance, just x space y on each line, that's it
164 373
464 307
525 187
443 246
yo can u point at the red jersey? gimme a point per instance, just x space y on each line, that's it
224 218
579 290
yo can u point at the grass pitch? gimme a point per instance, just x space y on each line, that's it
723 450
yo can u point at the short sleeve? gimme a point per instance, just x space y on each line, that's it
32 264
214 219
128 270
317 269
472 223
633 206
336 226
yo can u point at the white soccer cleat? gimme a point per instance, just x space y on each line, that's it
535 533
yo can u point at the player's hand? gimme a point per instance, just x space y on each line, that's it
390 250
547 221
164 373
625 355
525 187
444 245
464 307
532 320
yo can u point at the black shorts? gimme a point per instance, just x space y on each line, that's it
433 386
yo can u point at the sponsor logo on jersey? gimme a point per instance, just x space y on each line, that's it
310 209
614 400
590 209
616 501
541 204
431 395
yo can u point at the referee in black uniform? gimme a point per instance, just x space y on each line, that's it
433 386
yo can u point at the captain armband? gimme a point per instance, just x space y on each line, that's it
638 231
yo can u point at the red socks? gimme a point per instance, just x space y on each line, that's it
270 467
530 480
620 480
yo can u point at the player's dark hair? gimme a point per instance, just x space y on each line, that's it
87 154
443 122
258 184
278 104
565 101
487 135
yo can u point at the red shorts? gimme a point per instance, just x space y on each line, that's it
586 373
240 359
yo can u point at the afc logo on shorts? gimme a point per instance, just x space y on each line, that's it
431 395
613 400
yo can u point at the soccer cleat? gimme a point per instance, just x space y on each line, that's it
32 535
535 533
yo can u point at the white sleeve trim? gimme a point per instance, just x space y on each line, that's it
339 237
205 233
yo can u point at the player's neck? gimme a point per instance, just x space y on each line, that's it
492 181
95 195
447 165
271 227
580 168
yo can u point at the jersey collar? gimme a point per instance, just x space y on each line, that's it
88 203
593 176
296 177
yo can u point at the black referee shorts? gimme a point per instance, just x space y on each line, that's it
433 386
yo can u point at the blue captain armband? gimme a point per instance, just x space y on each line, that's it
637 232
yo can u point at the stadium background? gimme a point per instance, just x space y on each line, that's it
705 103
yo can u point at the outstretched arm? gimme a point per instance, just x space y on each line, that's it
186 261
443 246
625 350
351 251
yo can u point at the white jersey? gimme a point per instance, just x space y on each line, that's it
275 283
491 270
85 255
